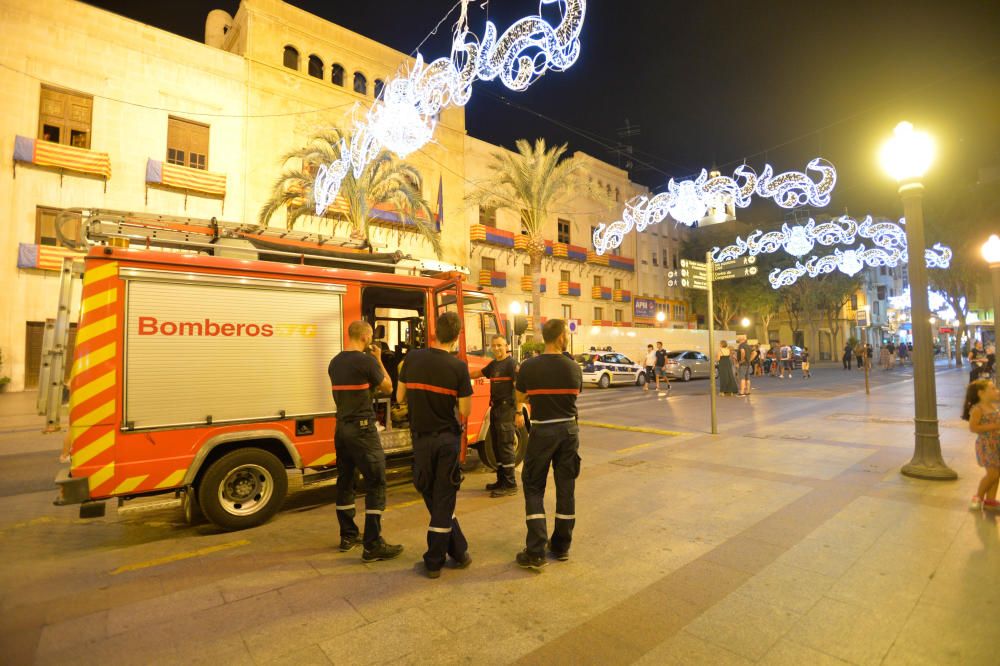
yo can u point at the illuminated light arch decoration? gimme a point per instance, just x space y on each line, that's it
688 201
888 240
405 117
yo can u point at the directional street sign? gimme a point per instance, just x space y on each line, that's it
735 263
732 273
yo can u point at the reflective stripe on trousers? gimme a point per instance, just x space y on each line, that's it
554 445
437 477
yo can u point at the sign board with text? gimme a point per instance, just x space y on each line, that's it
644 308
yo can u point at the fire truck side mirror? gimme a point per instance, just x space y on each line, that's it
520 324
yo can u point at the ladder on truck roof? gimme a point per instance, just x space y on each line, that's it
234 240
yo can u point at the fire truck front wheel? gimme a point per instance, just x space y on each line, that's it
243 488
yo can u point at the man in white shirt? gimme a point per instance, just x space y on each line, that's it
650 363
785 354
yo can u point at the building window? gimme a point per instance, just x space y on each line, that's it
666 261
854 301
875 307
567 312
489 264
656 262
880 292
618 283
618 195
881 270
562 235
187 143
597 280
598 314
360 83
337 74
488 217
564 276
291 59
527 308
675 261
315 67
379 87
618 315
45 227
65 117
527 269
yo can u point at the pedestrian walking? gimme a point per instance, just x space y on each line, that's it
983 414
977 360
550 384
883 357
501 372
892 354
743 357
756 366
354 374
661 367
903 352
437 386
863 355
727 374
805 363
785 355
848 354
650 367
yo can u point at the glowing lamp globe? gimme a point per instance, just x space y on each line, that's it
515 308
661 316
745 323
908 154
991 250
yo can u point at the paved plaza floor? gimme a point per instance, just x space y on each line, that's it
790 538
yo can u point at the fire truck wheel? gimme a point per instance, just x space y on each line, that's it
242 489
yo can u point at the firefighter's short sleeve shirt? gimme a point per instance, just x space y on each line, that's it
435 380
353 375
551 382
501 375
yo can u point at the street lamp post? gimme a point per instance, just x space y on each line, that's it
991 253
906 157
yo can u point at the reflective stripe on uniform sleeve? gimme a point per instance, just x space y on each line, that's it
535 516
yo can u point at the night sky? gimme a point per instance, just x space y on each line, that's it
724 82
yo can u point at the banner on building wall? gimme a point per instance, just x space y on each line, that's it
645 308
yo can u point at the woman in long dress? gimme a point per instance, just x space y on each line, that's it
727 375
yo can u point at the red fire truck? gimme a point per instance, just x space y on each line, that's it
205 376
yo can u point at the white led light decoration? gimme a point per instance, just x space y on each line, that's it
688 201
404 118
852 261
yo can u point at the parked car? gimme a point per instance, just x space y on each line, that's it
608 368
687 364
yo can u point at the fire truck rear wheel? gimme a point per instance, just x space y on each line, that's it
243 489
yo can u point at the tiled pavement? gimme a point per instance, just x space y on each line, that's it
789 539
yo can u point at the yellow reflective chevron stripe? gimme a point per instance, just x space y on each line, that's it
129 484
101 444
101 272
91 388
93 417
322 460
174 479
105 353
91 303
100 326
101 476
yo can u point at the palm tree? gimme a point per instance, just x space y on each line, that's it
528 182
385 180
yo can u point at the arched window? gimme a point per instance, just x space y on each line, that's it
337 74
618 195
360 83
291 58
315 67
379 87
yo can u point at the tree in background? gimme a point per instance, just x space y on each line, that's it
830 294
385 180
529 182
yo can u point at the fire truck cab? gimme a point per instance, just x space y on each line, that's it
206 376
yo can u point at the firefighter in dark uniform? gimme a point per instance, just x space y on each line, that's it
550 382
354 373
501 371
438 389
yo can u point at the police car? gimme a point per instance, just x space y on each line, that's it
606 368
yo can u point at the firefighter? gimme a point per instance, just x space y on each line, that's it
501 371
354 372
550 382
437 386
